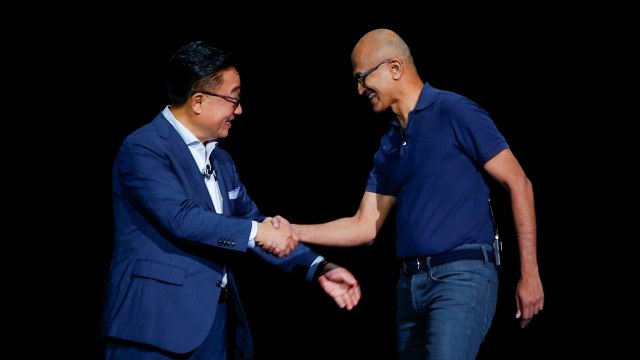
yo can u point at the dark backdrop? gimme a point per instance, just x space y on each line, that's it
304 147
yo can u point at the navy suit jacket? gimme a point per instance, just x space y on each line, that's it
171 247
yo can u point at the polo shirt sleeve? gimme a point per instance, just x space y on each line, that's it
476 132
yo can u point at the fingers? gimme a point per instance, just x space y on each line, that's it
346 297
269 247
352 296
349 298
527 313
275 248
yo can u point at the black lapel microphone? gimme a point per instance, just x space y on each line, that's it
207 173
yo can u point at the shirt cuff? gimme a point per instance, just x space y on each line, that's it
252 235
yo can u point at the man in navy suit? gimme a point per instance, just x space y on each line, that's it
180 213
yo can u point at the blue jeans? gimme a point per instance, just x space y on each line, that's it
445 312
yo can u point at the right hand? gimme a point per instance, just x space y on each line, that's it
277 239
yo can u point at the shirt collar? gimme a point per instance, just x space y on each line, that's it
185 134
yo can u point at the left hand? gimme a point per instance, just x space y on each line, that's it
341 285
529 300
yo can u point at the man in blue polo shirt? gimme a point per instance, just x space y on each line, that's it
432 164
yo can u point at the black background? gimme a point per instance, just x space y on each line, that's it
305 142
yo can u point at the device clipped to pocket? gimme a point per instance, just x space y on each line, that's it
497 249
497 244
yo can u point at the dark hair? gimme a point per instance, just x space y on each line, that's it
196 65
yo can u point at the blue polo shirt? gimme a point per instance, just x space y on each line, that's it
434 168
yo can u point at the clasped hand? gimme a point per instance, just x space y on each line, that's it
278 240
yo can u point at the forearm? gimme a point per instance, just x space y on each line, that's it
360 229
340 232
525 223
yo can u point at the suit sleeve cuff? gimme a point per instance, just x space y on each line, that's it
316 266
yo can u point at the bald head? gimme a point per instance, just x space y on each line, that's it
381 44
398 85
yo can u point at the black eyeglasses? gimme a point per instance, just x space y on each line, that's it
233 99
361 76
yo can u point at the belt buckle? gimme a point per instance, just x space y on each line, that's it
406 271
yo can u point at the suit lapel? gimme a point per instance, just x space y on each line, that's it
177 148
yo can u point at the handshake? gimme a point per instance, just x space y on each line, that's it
275 236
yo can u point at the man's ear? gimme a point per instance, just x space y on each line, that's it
397 67
196 102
